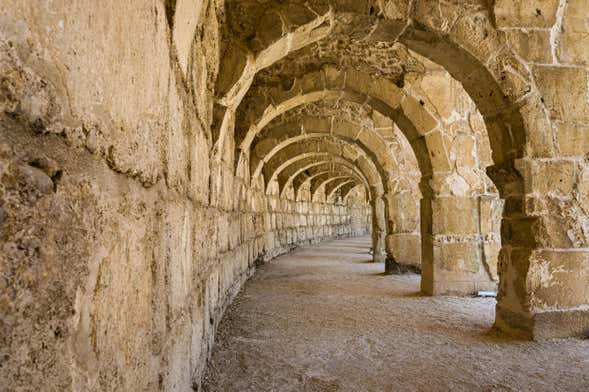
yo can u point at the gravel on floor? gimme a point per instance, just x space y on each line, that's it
324 318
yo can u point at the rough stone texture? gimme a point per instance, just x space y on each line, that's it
117 261
153 153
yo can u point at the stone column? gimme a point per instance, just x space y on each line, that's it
544 260
458 244
378 230
403 243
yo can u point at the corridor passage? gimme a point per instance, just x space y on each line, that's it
324 318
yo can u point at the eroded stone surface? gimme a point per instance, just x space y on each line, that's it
153 153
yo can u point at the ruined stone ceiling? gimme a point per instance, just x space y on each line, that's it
362 116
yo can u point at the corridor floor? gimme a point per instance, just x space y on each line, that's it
324 318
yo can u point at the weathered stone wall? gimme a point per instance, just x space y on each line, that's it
547 259
121 240
125 231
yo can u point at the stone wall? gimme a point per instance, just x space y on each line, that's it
121 240
153 151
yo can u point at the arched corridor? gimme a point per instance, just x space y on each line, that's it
324 318
156 154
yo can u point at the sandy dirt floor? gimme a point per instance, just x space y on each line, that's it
324 318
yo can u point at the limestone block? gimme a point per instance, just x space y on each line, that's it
491 211
405 248
574 38
223 233
335 79
556 177
357 81
582 190
445 94
477 34
512 75
456 261
436 16
559 279
381 121
416 113
403 213
454 215
437 145
564 91
479 127
522 13
313 124
573 138
541 135
532 45
234 233
386 91
346 129
490 258
462 152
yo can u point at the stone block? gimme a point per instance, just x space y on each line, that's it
490 258
438 149
572 138
456 261
564 90
531 45
574 37
386 91
522 13
186 18
405 248
491 211
416 113
558 279
555 177
454 215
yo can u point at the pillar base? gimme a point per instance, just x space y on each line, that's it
544 325
391 267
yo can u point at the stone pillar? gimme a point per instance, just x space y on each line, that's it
425 226
544 260
378 230
403 243
457 254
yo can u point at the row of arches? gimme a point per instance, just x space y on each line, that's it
463 111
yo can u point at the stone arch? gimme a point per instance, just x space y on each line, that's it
274 140
424 130
333 146
290 173
323 143
240 62
304 176
476 54
323 179
346 190
332 187
330 83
